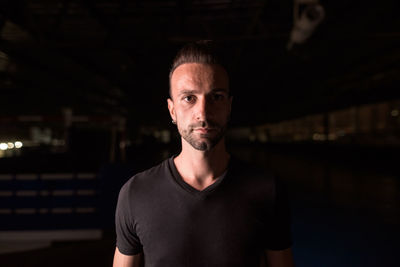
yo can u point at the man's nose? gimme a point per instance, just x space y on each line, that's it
203 109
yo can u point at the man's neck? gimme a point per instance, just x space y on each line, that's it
200 169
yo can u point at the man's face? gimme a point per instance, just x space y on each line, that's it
200 103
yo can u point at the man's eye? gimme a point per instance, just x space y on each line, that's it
219 97
189 98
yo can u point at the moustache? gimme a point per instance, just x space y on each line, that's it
204 124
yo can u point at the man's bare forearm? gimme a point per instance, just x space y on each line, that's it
278 258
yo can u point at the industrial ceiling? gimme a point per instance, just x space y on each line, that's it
112 57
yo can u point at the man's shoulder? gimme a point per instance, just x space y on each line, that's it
148 177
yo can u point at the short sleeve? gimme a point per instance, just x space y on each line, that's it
128 242
279 232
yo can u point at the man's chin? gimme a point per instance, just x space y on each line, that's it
203 141
201 145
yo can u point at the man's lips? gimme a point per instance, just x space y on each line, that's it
203 130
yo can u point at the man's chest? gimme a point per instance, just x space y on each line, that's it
217 226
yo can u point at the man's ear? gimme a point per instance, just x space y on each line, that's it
171 109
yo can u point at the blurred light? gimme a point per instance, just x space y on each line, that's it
3 146
156 134
12 32
333 136
394 112
319 137
58 142
165 136
4 61
252 137
10 145
18 144
341 133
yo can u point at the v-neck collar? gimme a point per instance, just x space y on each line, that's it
187 187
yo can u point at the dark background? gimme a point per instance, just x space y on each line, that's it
84 85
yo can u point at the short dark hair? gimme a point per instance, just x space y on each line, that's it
202 51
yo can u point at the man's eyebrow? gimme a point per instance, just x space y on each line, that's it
219 90
187 92
193 92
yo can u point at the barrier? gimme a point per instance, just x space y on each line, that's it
31 201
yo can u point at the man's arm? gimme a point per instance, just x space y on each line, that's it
279 258
122 260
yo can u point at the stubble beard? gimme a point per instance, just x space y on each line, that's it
206 141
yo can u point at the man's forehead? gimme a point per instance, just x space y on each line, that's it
195 69
201 73
198 76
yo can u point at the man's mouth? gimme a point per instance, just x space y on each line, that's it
203 130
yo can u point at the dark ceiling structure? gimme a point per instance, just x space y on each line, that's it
112 57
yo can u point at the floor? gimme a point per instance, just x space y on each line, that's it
342 216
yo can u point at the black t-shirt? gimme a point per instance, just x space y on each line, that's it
230 223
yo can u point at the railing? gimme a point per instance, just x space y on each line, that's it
50 201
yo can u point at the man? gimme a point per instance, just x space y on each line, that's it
202 208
